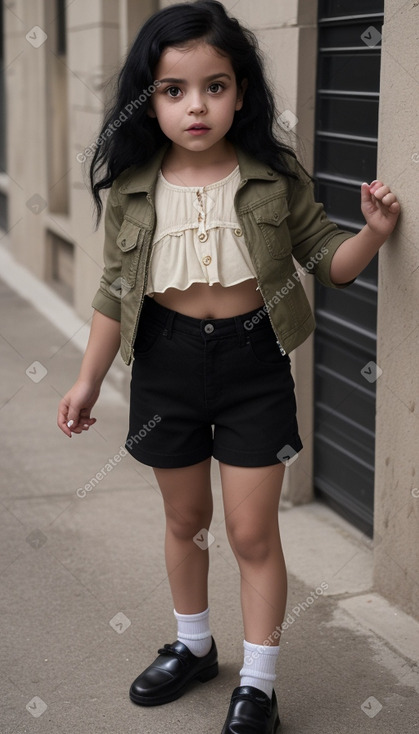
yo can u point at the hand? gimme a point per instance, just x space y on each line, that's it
74 409
380 208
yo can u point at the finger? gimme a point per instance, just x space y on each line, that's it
62 419
83 424
85 418
87 422
62 424
381 191
389 199
73 419
395 207
365 193
375 185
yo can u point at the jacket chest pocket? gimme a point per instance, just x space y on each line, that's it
130 241
271 219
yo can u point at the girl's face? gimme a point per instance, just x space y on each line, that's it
197 96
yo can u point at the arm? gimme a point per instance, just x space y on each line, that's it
102 347
381 210
104 339
314 237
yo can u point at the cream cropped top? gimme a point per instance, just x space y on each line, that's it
197 237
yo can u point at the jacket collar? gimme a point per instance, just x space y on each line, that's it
143 178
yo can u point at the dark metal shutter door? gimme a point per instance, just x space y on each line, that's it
348 80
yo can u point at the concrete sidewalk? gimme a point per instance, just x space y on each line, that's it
85 597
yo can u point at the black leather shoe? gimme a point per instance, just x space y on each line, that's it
251 712
168 677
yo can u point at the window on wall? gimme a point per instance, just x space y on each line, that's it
61 38
57 108
60 266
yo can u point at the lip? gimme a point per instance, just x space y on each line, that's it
198 129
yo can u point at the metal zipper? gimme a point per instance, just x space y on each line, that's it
281 348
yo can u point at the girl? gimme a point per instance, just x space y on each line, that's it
205 211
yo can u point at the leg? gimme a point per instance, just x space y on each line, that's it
188 507
251 499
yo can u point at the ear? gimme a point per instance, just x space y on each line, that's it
240 94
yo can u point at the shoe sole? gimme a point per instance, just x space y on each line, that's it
275 728
203 676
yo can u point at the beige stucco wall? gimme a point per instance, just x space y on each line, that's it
396 518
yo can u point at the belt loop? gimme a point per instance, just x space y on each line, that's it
240 331
168 329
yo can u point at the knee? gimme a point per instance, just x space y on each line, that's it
251 543
184 526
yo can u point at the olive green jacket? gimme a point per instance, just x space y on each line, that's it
279 219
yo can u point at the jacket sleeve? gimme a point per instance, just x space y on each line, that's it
315 238
107 299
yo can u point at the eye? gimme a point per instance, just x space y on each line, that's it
172 91
215 87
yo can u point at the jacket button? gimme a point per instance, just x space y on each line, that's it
270 173
207 260
276 216
203 237
123 242
238 232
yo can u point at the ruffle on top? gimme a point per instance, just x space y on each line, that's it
197 238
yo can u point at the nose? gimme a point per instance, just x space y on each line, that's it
196 104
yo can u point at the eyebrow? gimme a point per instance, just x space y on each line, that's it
172 80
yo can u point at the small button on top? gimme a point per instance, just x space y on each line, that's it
207 260
203 237
208 328
276 216
238 232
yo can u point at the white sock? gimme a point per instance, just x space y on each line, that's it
193 630
259 666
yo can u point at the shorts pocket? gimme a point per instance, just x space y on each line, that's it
265 349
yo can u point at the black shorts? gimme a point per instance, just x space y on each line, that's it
210 387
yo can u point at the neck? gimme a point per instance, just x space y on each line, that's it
221 154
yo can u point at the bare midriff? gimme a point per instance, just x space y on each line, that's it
203 301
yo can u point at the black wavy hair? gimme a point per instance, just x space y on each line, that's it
135 140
